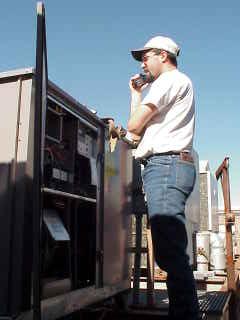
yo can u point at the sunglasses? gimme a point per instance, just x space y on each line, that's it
145 57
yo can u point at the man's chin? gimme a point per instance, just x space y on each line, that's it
150 77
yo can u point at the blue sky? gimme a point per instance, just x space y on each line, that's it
89 46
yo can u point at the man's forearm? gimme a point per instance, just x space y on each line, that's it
139 114
136 100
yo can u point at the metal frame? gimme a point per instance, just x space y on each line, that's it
66 107
100 209
223 173
41 78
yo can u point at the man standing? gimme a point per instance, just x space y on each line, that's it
164 119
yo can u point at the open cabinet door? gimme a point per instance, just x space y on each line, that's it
41 80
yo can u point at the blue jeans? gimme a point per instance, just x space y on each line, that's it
167 182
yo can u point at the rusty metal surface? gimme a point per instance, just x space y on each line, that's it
223 174
117 214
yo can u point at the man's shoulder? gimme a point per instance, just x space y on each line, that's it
183 77
174 79
173 75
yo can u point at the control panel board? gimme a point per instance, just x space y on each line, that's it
70 153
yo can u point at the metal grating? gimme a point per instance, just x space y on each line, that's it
214 302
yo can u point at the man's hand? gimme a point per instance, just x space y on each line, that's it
124 133
135 137
140 114
134 88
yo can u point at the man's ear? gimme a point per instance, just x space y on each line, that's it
163 55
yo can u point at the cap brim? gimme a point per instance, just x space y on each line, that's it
137 54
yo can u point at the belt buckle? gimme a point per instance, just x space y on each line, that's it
186 156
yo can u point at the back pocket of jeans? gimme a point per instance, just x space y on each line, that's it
185 176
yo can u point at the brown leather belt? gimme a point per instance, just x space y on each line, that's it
183 155
186 156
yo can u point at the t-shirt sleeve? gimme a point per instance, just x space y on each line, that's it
160 93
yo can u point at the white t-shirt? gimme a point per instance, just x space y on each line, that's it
172 126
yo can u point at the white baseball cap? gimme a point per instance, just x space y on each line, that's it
158 42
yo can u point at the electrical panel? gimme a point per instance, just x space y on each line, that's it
70 172
69 153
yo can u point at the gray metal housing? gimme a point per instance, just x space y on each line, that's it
113 204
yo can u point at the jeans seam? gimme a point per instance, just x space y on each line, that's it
166 191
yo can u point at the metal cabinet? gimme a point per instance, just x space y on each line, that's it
85 204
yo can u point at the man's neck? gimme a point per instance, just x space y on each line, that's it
168 67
